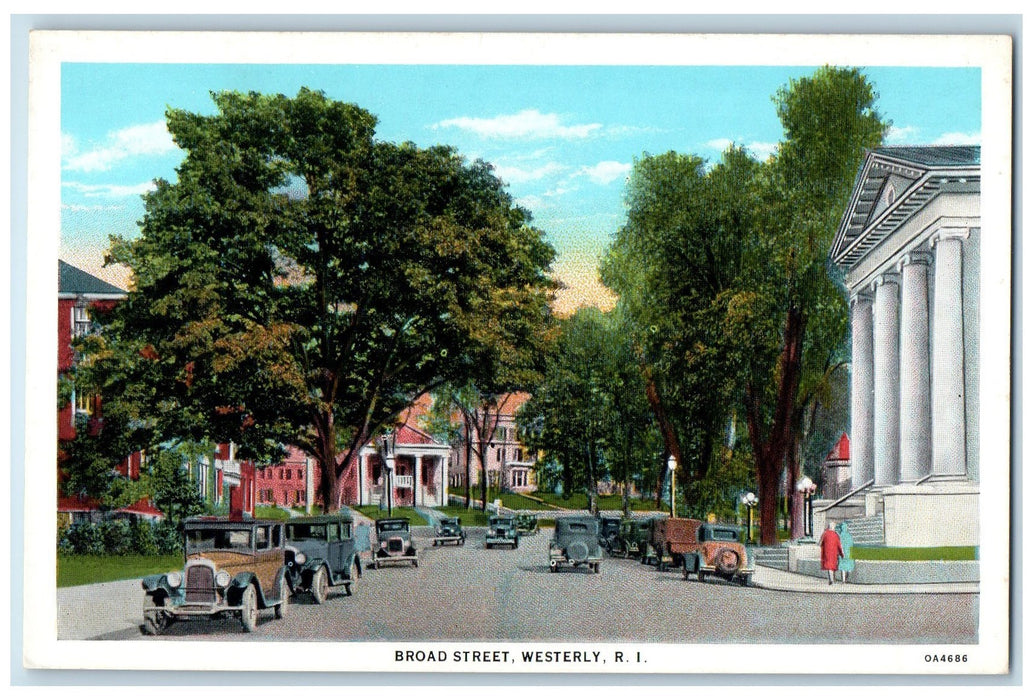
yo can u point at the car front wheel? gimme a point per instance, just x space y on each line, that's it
154 623
320 586
249 609
285 591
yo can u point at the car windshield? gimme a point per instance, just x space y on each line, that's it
501 522
576 527
397 526
307 531
449 522
724 535
208 539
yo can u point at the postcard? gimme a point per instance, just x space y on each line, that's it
519 353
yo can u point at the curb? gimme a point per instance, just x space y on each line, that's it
785 581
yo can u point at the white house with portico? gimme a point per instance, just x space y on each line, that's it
908 246
409 467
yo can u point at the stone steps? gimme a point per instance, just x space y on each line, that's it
868 531
771 557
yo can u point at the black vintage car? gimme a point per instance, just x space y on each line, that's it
575 542
501 530
449 531
233 568
526 523
394 543
321 553
609 529
634 537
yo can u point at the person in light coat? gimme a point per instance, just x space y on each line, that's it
846 540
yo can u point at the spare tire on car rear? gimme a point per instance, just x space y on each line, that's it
577 551
726 561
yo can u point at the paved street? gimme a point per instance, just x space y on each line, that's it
470 593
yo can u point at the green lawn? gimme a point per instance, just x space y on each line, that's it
79 569
470 518
271 513
376 513
914 553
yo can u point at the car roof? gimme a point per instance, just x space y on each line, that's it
392 520
214 521
341 517
575 519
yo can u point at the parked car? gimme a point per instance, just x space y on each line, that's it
449 531
672 539
633 537
575 542
609 530
232 568
322 553
719 551
526 523
502 529
394 543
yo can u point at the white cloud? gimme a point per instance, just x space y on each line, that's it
529 124
901 134
139 140
718 144
532 202
91 207
957 138
605 172
761 149
513 174
110 191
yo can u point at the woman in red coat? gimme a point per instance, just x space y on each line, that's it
831 550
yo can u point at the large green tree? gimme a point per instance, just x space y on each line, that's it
301 282
725 272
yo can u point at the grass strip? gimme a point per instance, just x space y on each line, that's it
81 569
914 553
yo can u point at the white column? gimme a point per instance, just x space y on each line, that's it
416 481
915 411
862 466
360 492
310 484
887 380
948 356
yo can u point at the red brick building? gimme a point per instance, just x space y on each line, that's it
80 295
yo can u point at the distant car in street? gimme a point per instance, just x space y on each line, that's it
609 531
449 531
502 529
718 552
394 543
672 539
322 553
575 543
232 568
526 523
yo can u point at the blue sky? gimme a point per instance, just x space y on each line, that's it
564 138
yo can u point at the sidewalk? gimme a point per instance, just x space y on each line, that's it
778 580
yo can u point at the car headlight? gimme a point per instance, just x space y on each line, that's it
174 578
222 579
383 545
300 557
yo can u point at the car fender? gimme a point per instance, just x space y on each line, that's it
157 586
309 569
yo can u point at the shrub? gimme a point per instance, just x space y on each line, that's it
117 537
143 540
81 538
167 538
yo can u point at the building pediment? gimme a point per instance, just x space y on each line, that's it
893 183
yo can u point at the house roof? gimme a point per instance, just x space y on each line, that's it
892 184
72 280
840 451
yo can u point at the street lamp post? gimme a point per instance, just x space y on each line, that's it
387 451
672 465
750 501
806 487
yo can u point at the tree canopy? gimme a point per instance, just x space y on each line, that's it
723 272
301 282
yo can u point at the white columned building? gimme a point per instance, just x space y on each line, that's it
908 246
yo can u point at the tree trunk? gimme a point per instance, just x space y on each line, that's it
469 460
770 454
